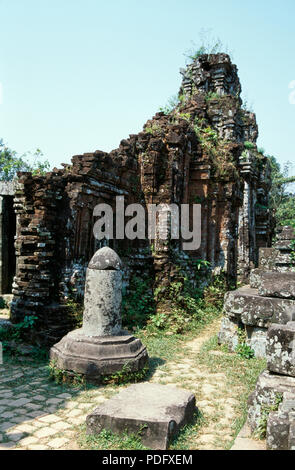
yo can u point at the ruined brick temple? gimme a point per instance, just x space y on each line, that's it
204 151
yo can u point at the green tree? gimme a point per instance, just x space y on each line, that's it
282 196
11 163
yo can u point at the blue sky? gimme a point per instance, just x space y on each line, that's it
80 75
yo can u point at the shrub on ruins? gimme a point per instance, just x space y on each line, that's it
189 303
11 163
187 300
282 198
249 145
243 349
138 303
208 44
261 430
12 336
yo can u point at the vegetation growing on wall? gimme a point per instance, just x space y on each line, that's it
282 194
187 304
208 44
11 163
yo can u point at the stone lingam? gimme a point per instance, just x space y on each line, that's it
101 347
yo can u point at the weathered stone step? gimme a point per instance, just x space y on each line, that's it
274 284
247 306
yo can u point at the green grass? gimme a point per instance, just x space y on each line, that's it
107 440
241 375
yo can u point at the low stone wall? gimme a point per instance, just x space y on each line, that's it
272 404
269 298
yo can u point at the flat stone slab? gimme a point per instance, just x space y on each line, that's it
155 411
275 284
247 306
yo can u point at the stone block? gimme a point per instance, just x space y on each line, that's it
255 276
280 425
281 349
277 433
267 258
277 284
228 333
284 245
291 444
286 233
256 339
246 306
156 411
268 389
255 336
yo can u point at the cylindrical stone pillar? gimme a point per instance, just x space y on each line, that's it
103 295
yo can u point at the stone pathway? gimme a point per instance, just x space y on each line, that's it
214 398
244 441
37 414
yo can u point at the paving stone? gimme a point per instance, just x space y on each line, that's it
23 411
38 414
64 395
17 419
39 398
7 445
15 436
25 428
52 409
71 404
74 413
7 414
33 406
50 419
6 402
45 432
20 402
5 426
84 406
60 426
58 442
7 394
78 421
28 440
54 401
38 447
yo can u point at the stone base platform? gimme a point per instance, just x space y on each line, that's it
155 411
94 356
